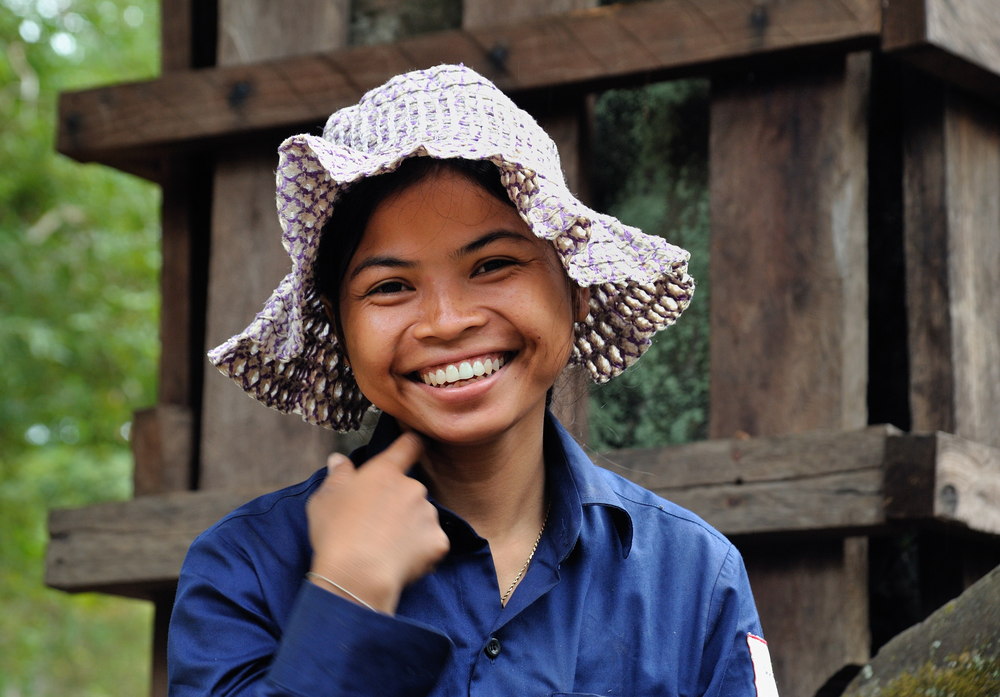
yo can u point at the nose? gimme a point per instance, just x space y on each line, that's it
447 312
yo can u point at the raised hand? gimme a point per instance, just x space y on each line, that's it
372 529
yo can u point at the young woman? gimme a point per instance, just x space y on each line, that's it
443 273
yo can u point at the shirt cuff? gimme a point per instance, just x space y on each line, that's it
334 647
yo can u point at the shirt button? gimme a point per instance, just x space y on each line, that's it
493 647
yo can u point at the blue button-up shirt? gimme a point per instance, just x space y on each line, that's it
628 594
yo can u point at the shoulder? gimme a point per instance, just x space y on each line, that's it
657 511
272 524
665 535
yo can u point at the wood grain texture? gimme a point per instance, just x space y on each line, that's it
943 477
830 482
812 596
958 41
788 275
251 31
788 250
242 442
162 439
579 51
132 547
176 41
951 207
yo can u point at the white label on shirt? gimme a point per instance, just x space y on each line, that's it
763 676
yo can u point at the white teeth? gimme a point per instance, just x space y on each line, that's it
463 371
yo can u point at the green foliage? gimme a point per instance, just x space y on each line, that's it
78 333
965 675
651 156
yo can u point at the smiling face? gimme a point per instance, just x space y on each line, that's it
456 318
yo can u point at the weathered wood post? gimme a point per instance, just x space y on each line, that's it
242 442
788 188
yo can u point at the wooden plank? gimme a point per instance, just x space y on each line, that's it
164 436
795 582
751 460
806 483
788 250
943 477
163 449
176 40
132 548
584 50
951 215
788 275
242 442
955 40
251 31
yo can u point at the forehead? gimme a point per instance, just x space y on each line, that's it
445 207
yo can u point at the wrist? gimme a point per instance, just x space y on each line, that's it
348 586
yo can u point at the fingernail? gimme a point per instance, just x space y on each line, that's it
335 460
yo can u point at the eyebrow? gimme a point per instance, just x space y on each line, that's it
487 239
474 246
387 261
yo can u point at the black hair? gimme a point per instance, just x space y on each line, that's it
342 232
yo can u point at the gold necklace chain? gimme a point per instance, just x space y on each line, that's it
513 584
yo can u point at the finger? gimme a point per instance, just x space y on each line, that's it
339 468
401 455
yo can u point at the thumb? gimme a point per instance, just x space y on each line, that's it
339 468
401 455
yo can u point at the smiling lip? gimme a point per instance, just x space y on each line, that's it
464 371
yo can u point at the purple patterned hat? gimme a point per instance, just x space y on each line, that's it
289 358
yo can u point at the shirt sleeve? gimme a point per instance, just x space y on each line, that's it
224 639
737 660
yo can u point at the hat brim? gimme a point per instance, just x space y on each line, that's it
289 357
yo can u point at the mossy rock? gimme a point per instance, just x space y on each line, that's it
953 653
966 675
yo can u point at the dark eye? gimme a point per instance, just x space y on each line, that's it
492 265
388 288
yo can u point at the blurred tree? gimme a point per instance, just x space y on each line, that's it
78 335
651 170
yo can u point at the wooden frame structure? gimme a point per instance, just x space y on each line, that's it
854 187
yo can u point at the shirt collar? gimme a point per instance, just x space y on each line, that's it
574 483
573 478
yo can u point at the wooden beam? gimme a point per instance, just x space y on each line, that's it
242 442
788 272
582 51
133 548
955 40
951 219
943 477
832 482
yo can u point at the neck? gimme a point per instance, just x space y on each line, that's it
498 487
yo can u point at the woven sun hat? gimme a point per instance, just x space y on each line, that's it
289 358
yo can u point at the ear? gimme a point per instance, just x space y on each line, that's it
331 317
581 302
328 308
